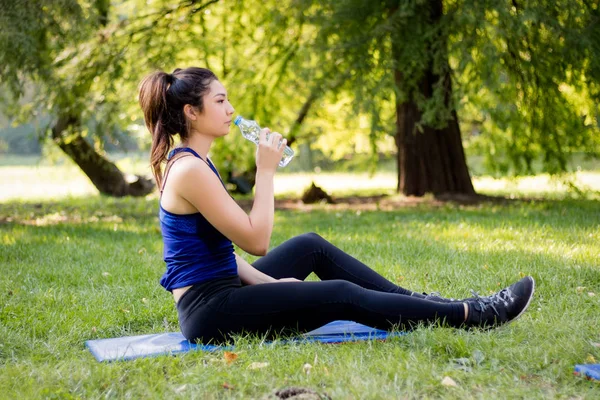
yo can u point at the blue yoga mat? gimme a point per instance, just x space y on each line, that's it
591 371
131 347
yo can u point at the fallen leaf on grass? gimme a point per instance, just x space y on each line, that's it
590 359
307 367
181 389
580 289
228 386
258 365
230 356
595 344
463 364
106 274
449 382
529 377
591 294
478 356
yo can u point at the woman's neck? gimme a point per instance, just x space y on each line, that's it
199 143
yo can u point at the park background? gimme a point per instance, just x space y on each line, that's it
459 141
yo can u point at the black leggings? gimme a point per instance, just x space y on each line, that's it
214 311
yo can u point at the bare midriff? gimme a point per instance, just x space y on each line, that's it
177 293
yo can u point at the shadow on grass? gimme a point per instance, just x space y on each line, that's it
125 232
105 209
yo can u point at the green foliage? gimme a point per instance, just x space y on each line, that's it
88 268
33 34
528 73
525 74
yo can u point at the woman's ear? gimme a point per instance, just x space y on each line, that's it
190 112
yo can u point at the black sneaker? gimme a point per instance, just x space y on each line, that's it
502 307
437 297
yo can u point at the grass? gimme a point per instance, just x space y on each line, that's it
83 268
76 266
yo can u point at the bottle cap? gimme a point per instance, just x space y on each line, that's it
238 119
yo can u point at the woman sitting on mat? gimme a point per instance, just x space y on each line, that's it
218 293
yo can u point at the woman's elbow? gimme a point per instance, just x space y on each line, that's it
261 251
256 250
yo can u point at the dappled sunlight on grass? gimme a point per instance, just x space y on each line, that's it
542 185
334 183
43 182
56 182
69 276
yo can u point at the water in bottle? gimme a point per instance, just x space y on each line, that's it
251 131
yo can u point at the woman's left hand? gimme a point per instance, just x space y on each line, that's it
289 280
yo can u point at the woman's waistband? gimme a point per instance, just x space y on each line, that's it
203 291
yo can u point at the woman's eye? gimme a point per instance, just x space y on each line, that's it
221 101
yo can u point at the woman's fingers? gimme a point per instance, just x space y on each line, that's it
282 144
275 139
270 149
289 280
272 139
262 136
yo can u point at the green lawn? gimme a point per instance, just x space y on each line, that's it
85 268
32 178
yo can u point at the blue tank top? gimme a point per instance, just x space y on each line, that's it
194 250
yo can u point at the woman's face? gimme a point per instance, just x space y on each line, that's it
215 119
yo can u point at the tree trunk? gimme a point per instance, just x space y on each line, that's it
105 175
431 160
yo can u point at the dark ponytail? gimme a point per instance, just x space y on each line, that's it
162 98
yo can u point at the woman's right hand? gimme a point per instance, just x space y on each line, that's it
269 151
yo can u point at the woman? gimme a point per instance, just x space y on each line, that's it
218 294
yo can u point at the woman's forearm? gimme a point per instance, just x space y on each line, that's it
263 209
250 275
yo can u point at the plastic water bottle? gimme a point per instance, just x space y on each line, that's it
251 131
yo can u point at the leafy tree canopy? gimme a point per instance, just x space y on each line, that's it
525 74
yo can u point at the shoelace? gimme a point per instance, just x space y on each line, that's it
437 294
504 296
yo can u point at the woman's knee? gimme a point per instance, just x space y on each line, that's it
309 240
346 289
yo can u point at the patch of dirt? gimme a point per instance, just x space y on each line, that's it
378 202
42 216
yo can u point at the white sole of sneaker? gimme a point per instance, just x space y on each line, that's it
518 315
528 301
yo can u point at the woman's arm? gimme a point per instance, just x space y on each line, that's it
197 184
250 275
